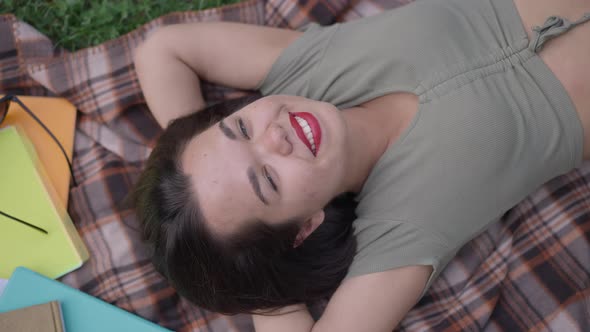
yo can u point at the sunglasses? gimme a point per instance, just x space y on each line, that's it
4 106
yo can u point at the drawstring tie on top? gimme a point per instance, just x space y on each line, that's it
553 27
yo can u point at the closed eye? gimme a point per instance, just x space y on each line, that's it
269 179
242 128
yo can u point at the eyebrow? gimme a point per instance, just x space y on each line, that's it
227 131
255 185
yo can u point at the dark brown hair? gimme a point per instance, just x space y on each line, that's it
256 267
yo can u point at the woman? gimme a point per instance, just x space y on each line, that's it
438 116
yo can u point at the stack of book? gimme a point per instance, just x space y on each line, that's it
35 178
33 303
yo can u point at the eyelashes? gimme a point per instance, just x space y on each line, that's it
269 179
244 131
242 128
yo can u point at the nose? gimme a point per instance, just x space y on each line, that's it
274 140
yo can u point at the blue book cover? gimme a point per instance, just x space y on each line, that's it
81 312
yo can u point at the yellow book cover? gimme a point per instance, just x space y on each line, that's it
26 194
59 115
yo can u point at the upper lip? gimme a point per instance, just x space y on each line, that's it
314 126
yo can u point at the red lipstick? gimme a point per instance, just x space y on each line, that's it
314 125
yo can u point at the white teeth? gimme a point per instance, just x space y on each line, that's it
307 131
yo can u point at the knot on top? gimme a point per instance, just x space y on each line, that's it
554 26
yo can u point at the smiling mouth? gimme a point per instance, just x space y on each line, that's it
308 130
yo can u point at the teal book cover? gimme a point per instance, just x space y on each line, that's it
81 312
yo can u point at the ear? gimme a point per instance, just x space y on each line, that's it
309 226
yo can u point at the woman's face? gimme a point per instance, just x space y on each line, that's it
259 164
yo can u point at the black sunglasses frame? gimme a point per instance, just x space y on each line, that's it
4 106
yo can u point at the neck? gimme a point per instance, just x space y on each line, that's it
366 145
370 132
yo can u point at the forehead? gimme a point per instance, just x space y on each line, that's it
217 169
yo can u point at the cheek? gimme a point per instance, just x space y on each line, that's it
306 183
311 191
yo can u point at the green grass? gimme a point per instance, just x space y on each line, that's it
75 24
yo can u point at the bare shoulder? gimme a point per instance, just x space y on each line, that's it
534 12
382 299
566 55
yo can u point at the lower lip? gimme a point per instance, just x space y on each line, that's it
314 125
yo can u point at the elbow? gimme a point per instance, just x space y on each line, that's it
155 50
151 51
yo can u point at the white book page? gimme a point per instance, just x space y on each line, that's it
3 283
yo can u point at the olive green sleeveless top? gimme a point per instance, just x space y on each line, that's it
493 124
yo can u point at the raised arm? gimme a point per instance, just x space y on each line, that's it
374 302
173 60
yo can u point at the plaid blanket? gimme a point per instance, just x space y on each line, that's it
528 272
